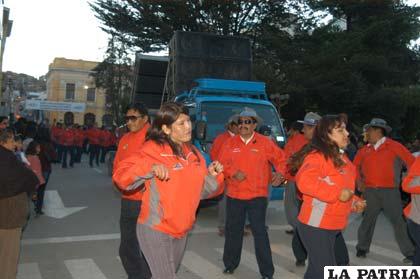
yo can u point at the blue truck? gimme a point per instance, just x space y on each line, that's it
211 75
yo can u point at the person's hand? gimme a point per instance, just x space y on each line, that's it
239 176
345 195
215 168
359 206
277 179
161 172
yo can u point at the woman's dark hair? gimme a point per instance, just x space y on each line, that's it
321 143
31 149
167 115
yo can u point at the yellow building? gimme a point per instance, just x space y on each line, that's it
71 81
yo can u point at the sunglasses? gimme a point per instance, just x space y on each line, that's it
132 118
247 121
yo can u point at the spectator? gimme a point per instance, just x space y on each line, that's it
4 122
32 153
16 183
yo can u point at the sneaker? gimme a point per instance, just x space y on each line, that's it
408 259
291 231
361 254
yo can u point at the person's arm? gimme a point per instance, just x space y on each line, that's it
310 181
225 158
276 157
132 172
411 183
404 154
357 162
16 178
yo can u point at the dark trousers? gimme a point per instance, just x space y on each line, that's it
93 154
59 149
131 256
78 150
340 249
320 244
40 192
67 150
104 150
414 230
236 211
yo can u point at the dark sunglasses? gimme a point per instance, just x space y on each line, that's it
132 118
247 121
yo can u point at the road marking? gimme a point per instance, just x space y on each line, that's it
381 251
116 236
54 206
29 271
202 267
98 170
84 269
248 259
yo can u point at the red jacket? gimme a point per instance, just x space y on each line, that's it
411 184
256 160
93 135
67 137
218 143
56 134
79 137
293 145
129 144
382 168
321 184
168 206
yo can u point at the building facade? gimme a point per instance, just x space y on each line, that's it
71 81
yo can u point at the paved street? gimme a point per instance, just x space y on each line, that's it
80 240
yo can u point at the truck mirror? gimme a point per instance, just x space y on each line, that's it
200 130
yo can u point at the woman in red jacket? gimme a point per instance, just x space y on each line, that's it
176 178
326 178
411 184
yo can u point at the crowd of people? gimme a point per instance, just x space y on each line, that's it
162 177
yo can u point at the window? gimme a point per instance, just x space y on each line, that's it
90 96
70 89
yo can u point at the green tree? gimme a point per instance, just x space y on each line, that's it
114 76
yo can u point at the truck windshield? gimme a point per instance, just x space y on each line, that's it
217 114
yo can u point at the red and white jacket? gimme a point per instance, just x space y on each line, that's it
321 183
168 206
411 184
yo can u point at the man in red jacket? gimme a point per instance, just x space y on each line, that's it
133 261
248 159
379 165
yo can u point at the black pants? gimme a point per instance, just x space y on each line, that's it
59 148
78 150
414 230
104 150
236 211
320 244
93 154
68 150
131 256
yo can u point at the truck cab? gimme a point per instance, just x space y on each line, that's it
213 101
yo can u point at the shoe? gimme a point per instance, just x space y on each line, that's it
228 271
361 254
291 231
300 263
408 259
267 277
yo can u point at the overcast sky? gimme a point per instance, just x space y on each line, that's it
45 29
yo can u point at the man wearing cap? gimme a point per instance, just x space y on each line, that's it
248 159
379 165
291 200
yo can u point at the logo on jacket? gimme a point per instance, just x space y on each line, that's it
236 150
178 166
125 146
327 180
254 150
